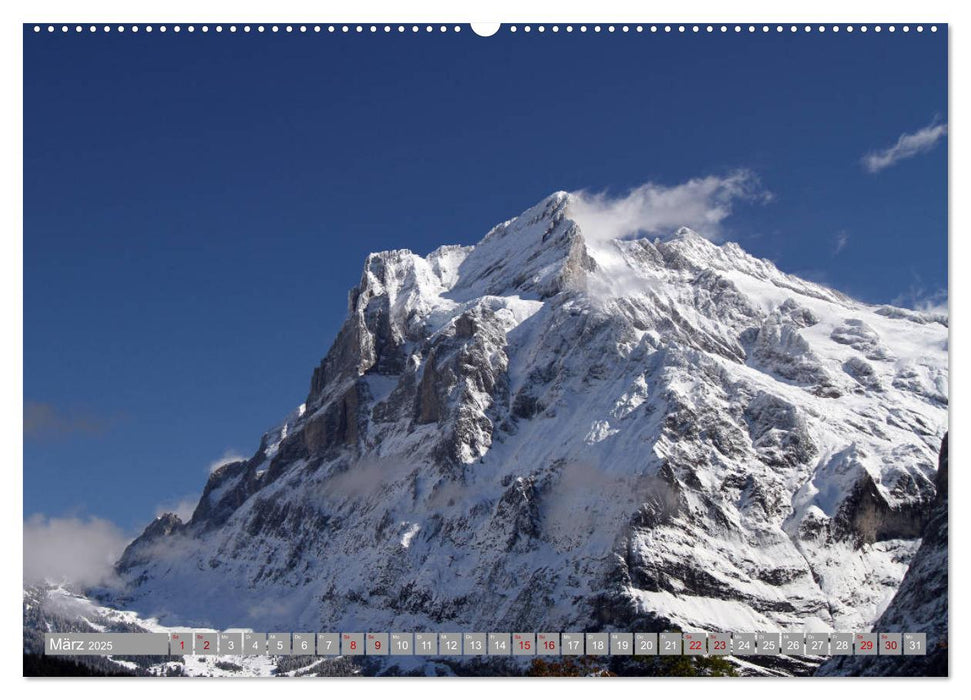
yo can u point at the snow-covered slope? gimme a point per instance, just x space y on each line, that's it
56 608
920 605
550 431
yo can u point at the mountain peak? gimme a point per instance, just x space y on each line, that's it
552 401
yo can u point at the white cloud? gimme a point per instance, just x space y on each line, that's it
228 457
700 204
907 146
71 550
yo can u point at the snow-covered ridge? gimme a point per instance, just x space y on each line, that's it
51 607
547 430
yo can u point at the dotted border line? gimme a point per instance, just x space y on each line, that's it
512 28
247 28
725 28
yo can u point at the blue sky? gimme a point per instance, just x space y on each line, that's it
197 206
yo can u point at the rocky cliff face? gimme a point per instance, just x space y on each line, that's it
548 430
920 605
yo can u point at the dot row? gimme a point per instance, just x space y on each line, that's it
751 28
346 29
302 28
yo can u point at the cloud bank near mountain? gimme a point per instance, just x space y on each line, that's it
71 550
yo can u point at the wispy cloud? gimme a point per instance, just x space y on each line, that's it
71 550
46 421
840 241
922 298
228 457
701 204
182 507
907 146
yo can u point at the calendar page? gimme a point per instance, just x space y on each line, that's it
517 349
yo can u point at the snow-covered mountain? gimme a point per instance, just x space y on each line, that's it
551 431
